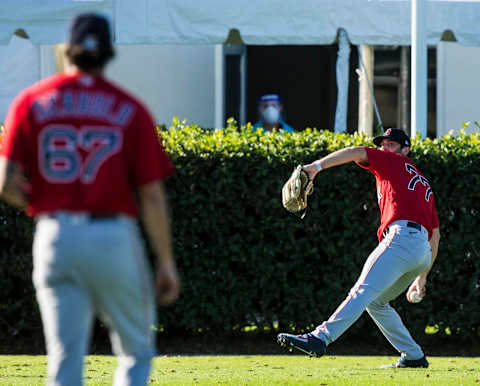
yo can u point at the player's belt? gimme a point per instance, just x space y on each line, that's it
105 217
80 217
412 224
409 224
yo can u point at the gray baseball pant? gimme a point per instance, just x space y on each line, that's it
83 268
400 257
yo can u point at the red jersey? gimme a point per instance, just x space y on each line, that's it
402 190
84 143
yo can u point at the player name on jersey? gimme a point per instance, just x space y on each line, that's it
83 104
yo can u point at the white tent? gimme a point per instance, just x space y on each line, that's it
208 22
265 22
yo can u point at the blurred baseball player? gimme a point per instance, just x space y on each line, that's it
408 236
88 150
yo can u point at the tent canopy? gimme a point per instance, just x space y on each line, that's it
375 22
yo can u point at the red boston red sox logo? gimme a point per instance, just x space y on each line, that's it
418 178
387 133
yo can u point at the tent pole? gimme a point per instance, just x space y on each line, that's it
419 69
219 86
343 72
404 91
47 61
365 100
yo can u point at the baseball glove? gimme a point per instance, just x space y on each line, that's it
296 190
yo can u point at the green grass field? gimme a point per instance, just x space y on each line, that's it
259 370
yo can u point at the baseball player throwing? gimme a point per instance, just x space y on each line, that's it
408 243
88 150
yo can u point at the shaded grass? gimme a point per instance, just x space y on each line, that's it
259 370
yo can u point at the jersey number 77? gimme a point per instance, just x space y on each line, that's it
418 178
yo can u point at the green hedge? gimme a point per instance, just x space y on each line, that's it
245 261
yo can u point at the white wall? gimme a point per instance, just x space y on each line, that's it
19 68
171 80
458 87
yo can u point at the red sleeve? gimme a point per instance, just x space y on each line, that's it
150 161
377 161
13 143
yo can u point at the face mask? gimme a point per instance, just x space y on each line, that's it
271 114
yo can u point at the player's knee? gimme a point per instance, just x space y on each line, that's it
365 292
376 306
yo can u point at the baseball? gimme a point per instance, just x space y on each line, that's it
415 297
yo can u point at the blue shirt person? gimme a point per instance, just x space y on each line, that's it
270 109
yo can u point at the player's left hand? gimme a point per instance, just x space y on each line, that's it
167 283
311 170
418 286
